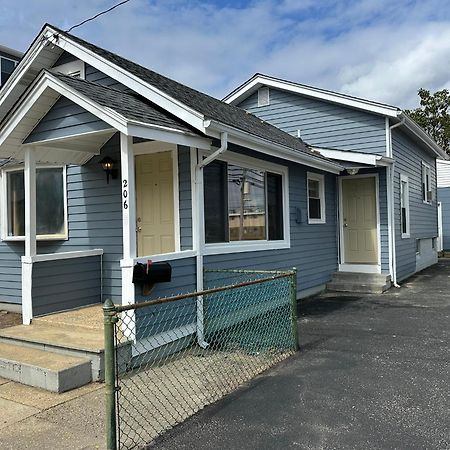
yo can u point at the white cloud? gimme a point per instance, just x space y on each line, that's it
380 50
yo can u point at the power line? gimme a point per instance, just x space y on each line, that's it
97 15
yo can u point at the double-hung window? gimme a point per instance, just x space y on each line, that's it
404 206
51 216
245 205
426 183
316 198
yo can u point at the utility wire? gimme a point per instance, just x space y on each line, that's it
97 15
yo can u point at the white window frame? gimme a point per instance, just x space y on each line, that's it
321 179
252 245
428 194
72 67
4 201
404 179
8 59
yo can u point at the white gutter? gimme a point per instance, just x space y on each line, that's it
259 144
201 233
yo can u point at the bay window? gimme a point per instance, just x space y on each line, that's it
50 204
244 203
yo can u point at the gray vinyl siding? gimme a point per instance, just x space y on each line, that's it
321 123
65 58
94 221
11 271
95 76
443 195
313 250
185 197
423 217
64 119
65 284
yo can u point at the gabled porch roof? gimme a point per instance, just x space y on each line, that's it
116 111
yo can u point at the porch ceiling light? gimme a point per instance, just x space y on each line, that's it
108 165
353 171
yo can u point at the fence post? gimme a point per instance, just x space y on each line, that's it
109 319
294 307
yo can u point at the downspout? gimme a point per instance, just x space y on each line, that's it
391 211
201 233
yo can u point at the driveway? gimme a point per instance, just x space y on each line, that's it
373 372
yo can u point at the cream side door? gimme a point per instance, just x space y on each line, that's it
155 204
360 220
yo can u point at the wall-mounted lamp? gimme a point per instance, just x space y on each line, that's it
108 165
353 171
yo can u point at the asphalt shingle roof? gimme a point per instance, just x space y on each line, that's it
127 104
210 107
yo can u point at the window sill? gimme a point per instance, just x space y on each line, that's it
315 221
427 203
406 235
244 246
56 237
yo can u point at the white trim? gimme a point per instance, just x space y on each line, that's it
4 200
404 179
173 256
361 268
359 158
148 91
262 145
29 178
440 238
72 67
343 264
63 139
27 300
62 255
253 245
321 179
258 80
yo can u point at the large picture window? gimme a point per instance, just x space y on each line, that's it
242 203
50 204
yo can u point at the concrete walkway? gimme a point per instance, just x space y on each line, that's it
373 373
32 418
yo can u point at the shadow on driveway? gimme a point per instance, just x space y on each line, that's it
372 373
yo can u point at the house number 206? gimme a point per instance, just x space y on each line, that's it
125 194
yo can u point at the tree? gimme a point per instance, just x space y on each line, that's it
433 115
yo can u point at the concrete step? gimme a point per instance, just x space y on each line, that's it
38 368
69 340
368 288
362 277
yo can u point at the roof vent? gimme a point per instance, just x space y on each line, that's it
263 96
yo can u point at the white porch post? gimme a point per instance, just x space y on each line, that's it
30 234
129 230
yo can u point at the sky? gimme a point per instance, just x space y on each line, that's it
375 49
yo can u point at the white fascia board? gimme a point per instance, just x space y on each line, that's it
166 134
160 98
309 91
47 81
22 67
423 136
369 159
250 141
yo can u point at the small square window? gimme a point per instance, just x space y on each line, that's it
316 198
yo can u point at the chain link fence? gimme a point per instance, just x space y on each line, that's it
167 359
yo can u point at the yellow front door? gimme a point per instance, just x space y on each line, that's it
359 218
154 204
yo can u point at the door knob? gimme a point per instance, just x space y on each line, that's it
345 225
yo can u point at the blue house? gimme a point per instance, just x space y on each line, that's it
389 186
109 164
